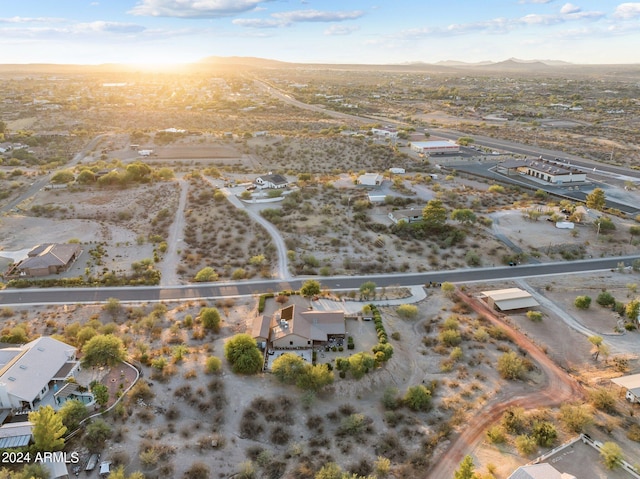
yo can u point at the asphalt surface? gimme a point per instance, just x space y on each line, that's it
243 288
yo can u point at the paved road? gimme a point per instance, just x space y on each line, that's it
243 288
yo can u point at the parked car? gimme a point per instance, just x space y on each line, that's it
105 468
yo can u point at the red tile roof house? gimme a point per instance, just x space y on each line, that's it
49 258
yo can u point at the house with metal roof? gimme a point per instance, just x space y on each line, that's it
509 299
539 471
30 371
632 384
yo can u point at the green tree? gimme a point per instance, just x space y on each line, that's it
86 177
360 364
611 454
434 215
310 288
582 302
103 350
632 310
71 413
596 199
206 274
511 366
288 367
448 289
418 398
243 354
210 318
368 289
603 399
464 216
466 469
48 430
119 473
633 231
100 393
597 345
97 434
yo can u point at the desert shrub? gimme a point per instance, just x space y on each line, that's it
496 435
544 433
582 302
633 432
417 398
213 365
407 311
514 420
575 417
511 366
198 470
534 316
606 299
450 337
526 444
603 400
354 425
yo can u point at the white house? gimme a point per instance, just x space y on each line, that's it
551 171
435 147
370 179
397 171
30 371
272 181
410 215
540 471
631 384
385 132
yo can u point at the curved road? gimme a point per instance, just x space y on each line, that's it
242 288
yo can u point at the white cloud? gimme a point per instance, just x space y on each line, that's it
627 11
340 30
569 8
536 1
194 8
30 20
258 22
286 19
317 16
107 27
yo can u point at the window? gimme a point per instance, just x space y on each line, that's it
290 343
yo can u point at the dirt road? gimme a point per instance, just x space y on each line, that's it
559 387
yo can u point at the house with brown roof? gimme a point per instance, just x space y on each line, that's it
298 326
48 258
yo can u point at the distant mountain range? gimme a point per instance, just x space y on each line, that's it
512 66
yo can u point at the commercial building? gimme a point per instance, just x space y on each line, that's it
439 147
555 172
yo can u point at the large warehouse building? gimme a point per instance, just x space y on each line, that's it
509 299
546 170
435 147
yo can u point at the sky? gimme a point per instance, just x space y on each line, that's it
318 31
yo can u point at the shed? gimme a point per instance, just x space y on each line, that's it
631 384
509 299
